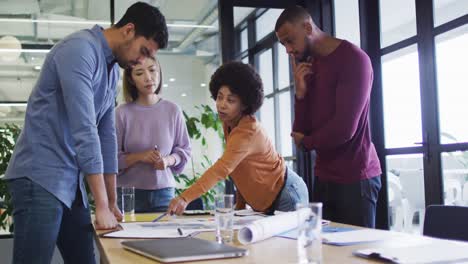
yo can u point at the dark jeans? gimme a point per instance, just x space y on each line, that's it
353 204
150 201
42 221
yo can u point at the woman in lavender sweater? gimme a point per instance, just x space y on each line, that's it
153 142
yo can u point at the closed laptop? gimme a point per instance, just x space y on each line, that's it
183 249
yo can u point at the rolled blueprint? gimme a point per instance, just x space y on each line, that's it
270 226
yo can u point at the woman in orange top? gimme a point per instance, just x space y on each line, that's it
262 179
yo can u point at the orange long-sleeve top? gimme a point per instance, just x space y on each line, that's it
252 162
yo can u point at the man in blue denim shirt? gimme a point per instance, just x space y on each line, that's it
69 134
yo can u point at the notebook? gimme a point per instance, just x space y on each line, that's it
183 249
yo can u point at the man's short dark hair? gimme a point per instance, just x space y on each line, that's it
148 21
243 81
292 15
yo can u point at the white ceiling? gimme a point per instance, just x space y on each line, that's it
199 45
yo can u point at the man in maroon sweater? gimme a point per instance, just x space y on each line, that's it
333 81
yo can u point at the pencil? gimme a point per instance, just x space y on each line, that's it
159 217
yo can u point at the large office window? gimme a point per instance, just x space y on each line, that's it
452 62
448 10
258 45
401 99
397 21
418 143
347 20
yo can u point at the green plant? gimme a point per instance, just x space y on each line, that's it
8 135
207 119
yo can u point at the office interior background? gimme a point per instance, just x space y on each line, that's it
417 47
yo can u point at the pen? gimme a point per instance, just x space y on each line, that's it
159 217
180 231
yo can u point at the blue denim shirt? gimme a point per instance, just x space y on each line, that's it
69 129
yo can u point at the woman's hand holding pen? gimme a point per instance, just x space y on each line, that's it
150 156
155 158
177 206
164 162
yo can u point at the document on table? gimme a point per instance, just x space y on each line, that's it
189 227
427 251
357 237
248 212
293 234
161 229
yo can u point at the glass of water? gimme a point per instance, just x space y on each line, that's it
224 217
128 203
309 239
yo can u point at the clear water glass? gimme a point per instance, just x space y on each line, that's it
309 240
224 217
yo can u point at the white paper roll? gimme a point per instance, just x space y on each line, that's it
270 226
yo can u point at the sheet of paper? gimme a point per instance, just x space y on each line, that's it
161 229
432 251
357 236
168 229
238 221
292 234
142 233
247 212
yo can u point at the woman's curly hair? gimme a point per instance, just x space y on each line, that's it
243 80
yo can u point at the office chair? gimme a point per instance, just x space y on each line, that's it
446 222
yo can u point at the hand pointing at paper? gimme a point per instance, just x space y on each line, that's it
177 206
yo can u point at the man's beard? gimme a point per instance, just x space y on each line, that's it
123 63
307 52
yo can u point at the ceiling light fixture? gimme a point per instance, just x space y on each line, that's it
183 94
89 22
53 21
13 104
25 50
190 26
202 84
172 79
165 85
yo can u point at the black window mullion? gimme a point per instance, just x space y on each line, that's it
277 119
453 147
369 22
399 45
429 103
458 22
251 31
404 151
226 29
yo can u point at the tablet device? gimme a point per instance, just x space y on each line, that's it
183 249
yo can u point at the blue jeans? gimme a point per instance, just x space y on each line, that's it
294 191
42 221
148 201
